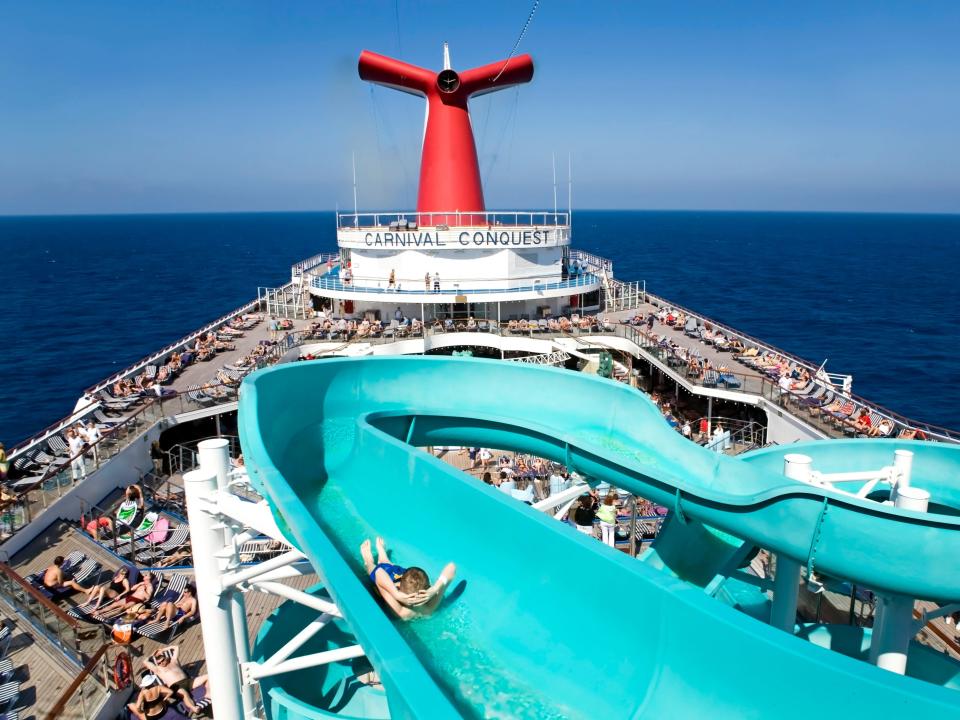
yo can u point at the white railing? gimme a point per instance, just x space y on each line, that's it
298 269
557 357
593 263
621 295
400 220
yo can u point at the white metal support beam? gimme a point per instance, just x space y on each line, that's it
206 538
214 456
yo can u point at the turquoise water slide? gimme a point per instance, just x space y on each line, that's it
545 622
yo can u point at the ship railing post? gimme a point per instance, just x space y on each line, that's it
206 539
786 580
893 627
214 457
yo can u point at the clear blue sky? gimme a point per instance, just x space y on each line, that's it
203 105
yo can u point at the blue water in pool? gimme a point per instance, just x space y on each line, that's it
877 295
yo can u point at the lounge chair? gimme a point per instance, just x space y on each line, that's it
145 527
710 378
691 329
156 630
728 379
78 572
198 396
178 539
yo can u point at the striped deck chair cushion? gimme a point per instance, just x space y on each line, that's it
10 715
155 630
86 570
172 594
177 539
6 668
9 691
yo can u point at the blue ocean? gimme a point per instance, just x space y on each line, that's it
875 295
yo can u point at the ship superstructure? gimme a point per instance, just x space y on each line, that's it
452 258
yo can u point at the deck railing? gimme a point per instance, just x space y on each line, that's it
84 698
127 372
69 635
36 493
448 286
304 266
454 218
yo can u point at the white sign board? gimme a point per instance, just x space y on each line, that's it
499 238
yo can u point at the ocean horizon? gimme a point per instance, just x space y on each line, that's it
873 294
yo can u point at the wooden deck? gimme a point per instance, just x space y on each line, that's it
42 670
48 678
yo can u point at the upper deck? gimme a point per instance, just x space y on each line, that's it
499 255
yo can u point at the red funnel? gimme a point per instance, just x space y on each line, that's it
449 172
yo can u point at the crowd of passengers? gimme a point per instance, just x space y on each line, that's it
326 326
204 348
794 380
528 478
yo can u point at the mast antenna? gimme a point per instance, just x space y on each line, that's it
446 56
353 160
569 191
554 157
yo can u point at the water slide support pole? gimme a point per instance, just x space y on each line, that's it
709 415
214 457
206 539
903 464
786 581
893 622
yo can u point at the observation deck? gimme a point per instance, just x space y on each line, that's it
454 256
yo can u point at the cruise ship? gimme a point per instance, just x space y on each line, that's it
649 513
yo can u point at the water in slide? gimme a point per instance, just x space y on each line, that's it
545 622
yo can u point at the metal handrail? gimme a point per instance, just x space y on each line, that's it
88 671
584 280
47 603
560 219
150 359
298 269
897 419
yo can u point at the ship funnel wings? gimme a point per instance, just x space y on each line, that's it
449 171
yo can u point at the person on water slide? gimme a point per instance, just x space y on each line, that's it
407 591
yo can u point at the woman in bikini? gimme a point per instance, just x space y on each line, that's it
153 699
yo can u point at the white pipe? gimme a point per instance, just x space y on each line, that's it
903 464
298 596
881 474
561 497
307 661
786 580
214 456
912 498
296 570
287 558
206 538
252 515
893 627
297 641
892 633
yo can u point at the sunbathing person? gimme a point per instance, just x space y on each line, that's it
118 586
407 591
153 700
55 580
165 664
139 593
864 424
184 609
